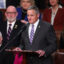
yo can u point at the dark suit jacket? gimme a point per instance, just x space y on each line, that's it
44 39
59 18
14 41
14 38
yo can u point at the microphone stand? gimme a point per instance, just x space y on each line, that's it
8 42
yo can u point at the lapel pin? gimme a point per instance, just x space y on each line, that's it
16 26
39 26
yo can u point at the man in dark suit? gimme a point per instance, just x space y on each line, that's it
39 37
10 34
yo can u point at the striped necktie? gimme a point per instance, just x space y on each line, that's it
9 31
32 34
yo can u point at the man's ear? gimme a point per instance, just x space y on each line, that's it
16 13
38 15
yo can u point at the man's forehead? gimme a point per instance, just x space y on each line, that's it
31 11
11 8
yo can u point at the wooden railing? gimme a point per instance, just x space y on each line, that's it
59 57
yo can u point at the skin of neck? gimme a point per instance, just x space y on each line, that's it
54 8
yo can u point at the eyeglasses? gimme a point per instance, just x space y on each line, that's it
11 12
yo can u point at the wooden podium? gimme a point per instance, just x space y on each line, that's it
24 53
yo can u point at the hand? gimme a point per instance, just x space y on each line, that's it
17 49
23 21
40 52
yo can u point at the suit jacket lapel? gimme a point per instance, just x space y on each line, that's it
14 31
27 35
37 32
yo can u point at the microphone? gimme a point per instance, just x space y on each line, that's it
8 42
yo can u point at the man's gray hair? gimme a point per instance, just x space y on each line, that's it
34 8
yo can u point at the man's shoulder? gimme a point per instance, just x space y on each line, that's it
3 22
45 23
46 26
19 23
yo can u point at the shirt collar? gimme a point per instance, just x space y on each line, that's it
60 6
11 23
36 23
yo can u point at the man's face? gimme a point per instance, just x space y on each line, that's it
32 16
11 14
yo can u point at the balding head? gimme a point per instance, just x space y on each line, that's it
11 13
11 8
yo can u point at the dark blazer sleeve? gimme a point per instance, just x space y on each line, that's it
51 38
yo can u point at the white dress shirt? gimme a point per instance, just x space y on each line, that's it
35 27
11 25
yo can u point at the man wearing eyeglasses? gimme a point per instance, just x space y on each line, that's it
10 30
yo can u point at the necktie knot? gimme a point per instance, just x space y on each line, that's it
10 25
32 25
